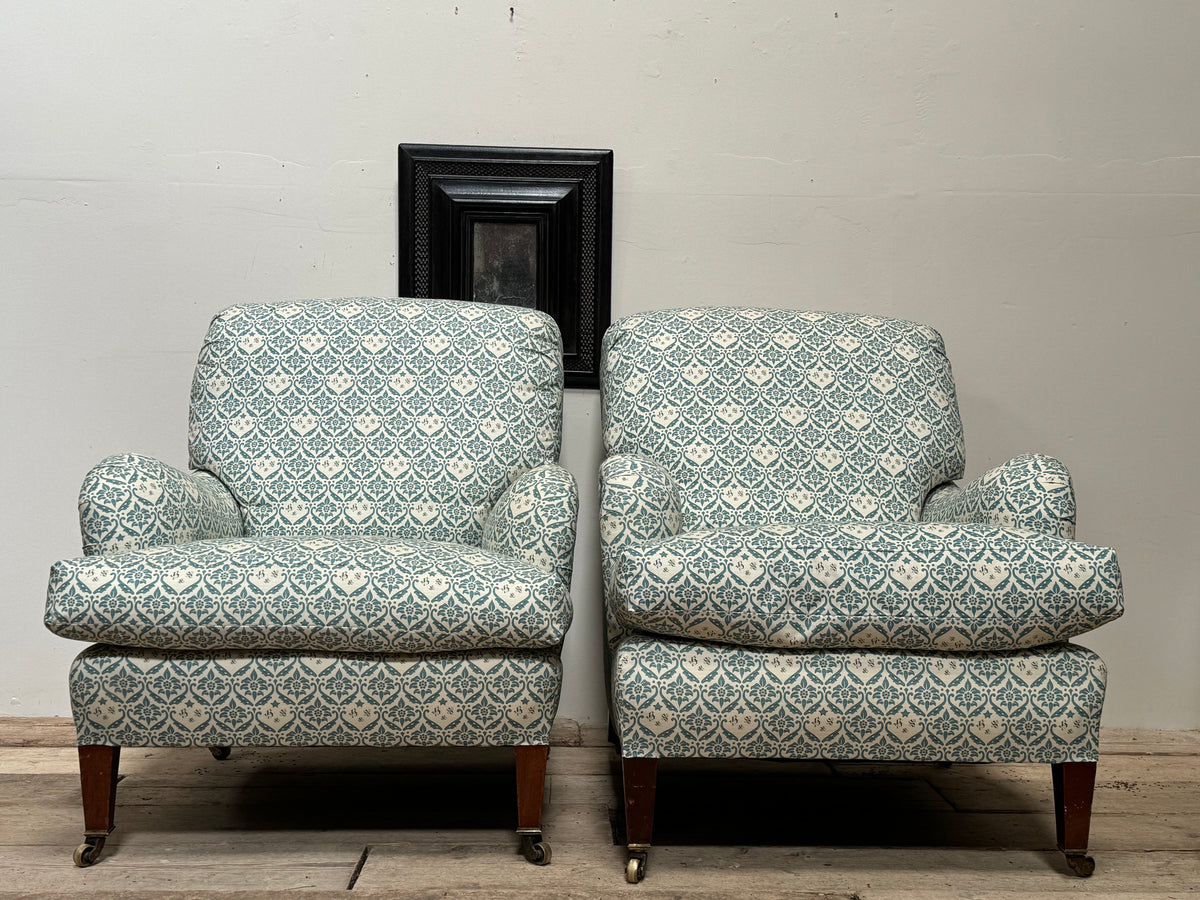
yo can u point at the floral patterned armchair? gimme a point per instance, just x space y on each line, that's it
791 572
373 547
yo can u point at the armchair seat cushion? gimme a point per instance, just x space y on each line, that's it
331 594
912 586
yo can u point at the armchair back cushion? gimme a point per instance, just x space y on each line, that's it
387 417
766 416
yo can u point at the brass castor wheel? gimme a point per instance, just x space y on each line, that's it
219 752
88 853
1081 864
535 849
539 854
635 869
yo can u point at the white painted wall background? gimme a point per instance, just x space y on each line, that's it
1024 176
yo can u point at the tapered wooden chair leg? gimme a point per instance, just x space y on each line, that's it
1074 787
640 777
531 786
98 766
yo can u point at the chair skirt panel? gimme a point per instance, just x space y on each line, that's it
686 699
913 586
146 698
330 594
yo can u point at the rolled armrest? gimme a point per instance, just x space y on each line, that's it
639 501
130 502
534 520
1030 491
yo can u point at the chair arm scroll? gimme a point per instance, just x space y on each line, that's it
535 520
131 502
639 501
1029 491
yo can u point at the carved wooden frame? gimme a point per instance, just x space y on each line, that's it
446 191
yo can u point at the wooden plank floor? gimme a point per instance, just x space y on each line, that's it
423 824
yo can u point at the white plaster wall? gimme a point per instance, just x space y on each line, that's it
1024 176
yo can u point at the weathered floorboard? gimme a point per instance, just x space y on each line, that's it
760 871
438 822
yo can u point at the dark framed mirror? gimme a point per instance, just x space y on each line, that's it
526 227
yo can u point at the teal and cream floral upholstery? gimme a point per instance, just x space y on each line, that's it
769 416
911 586
791 571
686 698
407 419
273 698
130 502
1031 492
337 594
374 545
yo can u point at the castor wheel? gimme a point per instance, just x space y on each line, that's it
219 752
535 849
635 869
539 854
88 853
1081 864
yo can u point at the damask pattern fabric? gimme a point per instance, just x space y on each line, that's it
131 502
535 521
764 416
903 585
1030 491
639 502
790 572
375 550
404 418
687 699
333 594
140 698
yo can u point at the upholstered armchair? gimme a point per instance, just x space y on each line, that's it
373 547
791 571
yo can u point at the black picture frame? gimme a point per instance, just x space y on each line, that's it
531 227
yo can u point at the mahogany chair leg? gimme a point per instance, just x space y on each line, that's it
98 766
531 787
1074 787
640 776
